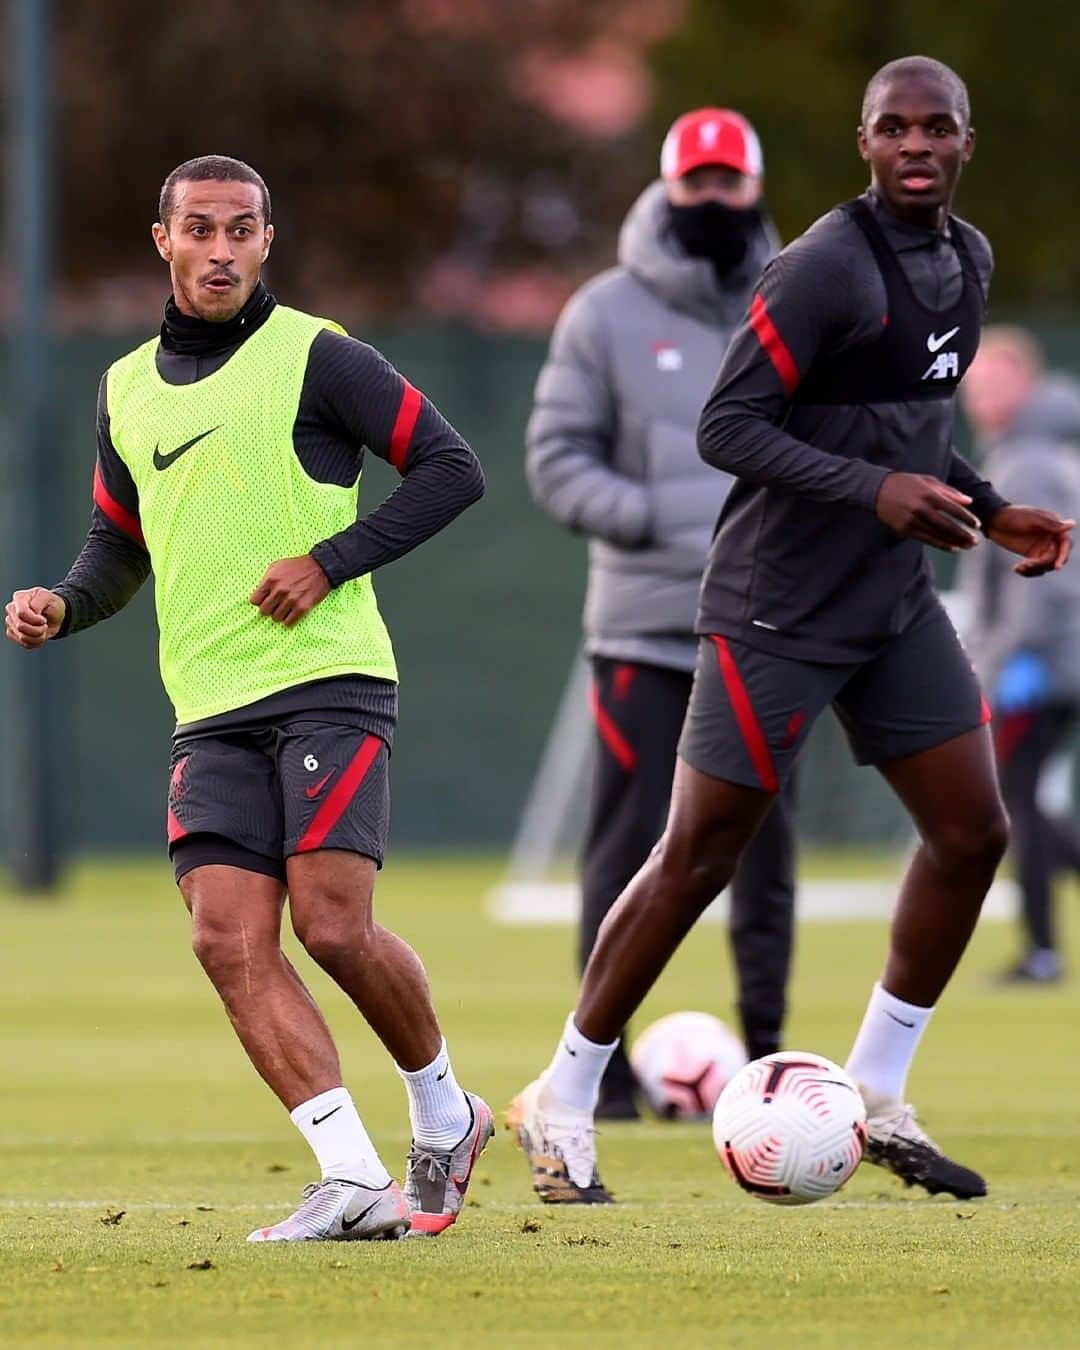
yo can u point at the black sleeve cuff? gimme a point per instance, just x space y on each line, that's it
65 627
986 505
328 559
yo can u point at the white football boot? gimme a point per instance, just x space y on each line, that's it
342 1211
560 1144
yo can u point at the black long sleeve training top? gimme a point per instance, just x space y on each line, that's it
800 564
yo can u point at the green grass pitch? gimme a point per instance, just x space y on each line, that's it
139 1149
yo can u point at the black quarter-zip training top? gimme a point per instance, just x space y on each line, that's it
844 371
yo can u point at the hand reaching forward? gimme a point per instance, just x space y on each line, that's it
290 588
1041 538
921 507
34 616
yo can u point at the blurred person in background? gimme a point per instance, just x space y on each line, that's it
612 454
1025 640
233 439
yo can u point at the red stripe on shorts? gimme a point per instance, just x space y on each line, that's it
624 678
1009 730
173 827
610 734
749 726
340 795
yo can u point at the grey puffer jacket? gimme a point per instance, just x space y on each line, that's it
611 443
1036 461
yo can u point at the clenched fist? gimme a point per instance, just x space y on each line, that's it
34 616
290 588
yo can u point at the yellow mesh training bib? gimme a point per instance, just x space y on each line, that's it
222 495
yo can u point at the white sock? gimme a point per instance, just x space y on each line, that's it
886 1043
575 1072
439 1110
331 1125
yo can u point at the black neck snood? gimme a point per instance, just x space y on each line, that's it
185 336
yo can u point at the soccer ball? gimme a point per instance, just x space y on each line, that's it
790 1128
683 1062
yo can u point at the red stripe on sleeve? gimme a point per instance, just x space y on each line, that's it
404 425
610 734
340 795
118 514
775 347
749 726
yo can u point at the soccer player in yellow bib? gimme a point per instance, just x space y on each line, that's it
229 456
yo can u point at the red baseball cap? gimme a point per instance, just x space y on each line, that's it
711 136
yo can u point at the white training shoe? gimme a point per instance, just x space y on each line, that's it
342 1211
560 1144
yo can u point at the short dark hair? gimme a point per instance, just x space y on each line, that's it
207 169
918 66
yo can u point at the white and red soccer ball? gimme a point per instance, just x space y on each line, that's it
683 1063
790 1128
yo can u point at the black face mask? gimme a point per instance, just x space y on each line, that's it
715 231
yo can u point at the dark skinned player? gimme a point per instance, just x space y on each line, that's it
834 410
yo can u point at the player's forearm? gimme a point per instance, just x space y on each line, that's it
428 498
986 501
102 579
753 448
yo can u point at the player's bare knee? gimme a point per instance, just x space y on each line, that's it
708 877
221 951
978 842
331 934
326 944
697 870
997 836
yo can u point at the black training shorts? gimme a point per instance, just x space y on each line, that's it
751 711
254 797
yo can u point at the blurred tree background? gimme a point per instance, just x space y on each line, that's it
472 158
454 156
798 69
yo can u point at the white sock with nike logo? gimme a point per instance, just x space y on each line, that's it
577 1067
886 1044
332 1126
439 1110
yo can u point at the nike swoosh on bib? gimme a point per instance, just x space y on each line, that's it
933 342
163 461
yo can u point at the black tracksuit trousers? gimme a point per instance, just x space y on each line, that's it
638 713
1042 848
